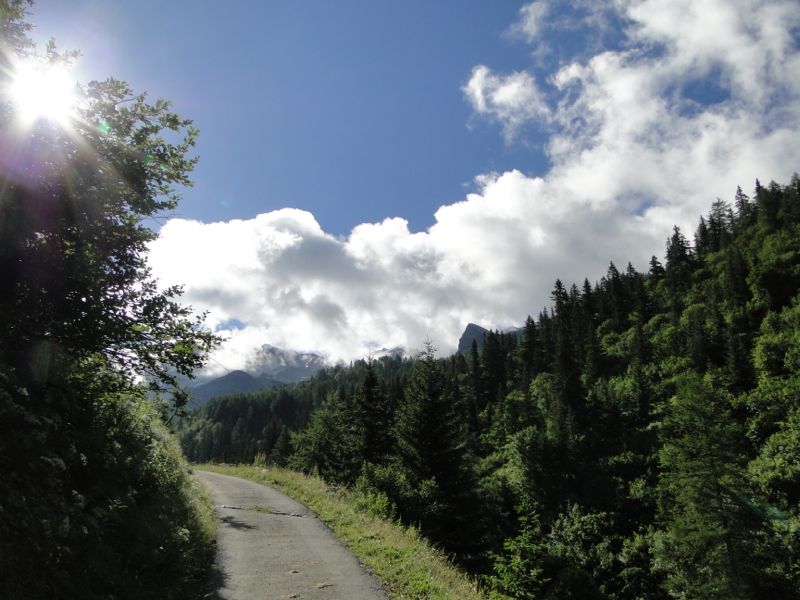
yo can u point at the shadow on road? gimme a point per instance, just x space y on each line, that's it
235 523
216 581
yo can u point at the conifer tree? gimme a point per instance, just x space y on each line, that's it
768 201
526 355
678 272
707 543
494 368
282 449
745 210
702 237
431 440
372 417
472 390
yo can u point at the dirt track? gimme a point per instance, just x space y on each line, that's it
271 547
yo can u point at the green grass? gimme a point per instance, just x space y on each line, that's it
399 556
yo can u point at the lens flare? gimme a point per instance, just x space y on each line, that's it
43 92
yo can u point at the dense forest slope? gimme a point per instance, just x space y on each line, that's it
638 439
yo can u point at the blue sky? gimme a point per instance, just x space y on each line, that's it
373 174
349 109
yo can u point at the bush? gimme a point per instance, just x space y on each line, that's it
96 500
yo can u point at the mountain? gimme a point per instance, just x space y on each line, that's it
477 333
393 352
472 333
232 383
271 367
286 366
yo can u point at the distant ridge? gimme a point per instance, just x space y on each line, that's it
275 366
232 383
271 367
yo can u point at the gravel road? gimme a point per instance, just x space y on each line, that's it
271 547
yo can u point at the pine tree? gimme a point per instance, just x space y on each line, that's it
327 445
494 368
282 449
372 416
745 210
768 201
707 543
473 390
702 238
526 355
431 441
678 272
428 429
566 366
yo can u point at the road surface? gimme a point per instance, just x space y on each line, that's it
271 547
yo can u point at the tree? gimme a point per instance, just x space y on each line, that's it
13 31
372 416
430 430
73 222
745 210
526 354
702 486
96 499
702 237
678 272
282 448
328 445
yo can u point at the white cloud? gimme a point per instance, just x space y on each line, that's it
632 150
513 100
531 21
554 28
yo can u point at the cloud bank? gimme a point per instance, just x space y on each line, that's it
697 97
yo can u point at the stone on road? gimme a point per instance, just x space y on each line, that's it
270 546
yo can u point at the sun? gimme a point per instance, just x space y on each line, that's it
42 91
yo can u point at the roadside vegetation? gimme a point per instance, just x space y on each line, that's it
409 566
96 499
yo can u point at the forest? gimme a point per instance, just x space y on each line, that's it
639 438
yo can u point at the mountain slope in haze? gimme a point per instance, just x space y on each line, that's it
285 366
232 383
271 367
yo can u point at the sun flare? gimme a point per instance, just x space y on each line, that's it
43 92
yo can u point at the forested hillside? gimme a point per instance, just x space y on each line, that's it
639 439
238 427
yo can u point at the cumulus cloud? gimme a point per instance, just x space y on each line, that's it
513 100
634 148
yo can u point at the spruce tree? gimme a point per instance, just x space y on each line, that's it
707 543
431 440
372 417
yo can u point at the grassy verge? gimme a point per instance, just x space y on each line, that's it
398 555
